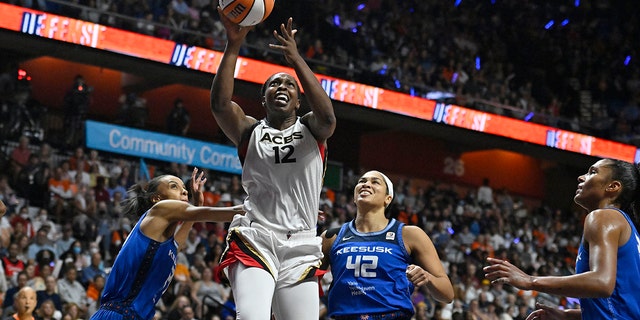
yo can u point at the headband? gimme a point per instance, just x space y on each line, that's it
389 184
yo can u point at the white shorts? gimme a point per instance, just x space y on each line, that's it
289 257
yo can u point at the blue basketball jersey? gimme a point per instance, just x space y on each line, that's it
141 273
369 272
624 303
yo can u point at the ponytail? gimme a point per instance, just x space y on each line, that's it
139 199
629 198
634 213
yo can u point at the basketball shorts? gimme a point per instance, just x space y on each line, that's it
290 257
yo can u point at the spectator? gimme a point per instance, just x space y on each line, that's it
72 311
64 243
76 107
94 293
12 264
113 187
187 313
485 194
22 225
216 293
193 240
46 155
181 8
33 182
100 190
73 257
25 116
47 311
133 108
8 195
61 193
179 119
19 159
9 298
79 165
181 301
41 242
37 274
94 269
71 290
50 293
94 160
42 220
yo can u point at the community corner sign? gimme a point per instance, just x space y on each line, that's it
164 147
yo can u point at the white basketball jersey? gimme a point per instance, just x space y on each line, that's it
282 174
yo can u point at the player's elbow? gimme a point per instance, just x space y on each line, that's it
444 294
216 104
603 288
447 297
218 101
327 125
605 291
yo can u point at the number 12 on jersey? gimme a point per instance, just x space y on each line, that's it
284 154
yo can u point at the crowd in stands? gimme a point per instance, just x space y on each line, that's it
571 65
64 225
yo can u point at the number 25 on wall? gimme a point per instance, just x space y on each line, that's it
453 167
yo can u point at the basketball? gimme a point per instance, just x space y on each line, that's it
246 12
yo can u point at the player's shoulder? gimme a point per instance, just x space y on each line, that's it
330 233
413 233
605 216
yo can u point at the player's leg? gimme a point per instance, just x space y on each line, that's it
252 291
297 302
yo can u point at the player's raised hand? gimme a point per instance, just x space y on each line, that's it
197 186
287 40
235 32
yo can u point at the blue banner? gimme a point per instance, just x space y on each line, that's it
159 146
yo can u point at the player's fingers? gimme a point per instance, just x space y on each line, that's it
278 36
492 276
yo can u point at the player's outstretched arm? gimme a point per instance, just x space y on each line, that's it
321 119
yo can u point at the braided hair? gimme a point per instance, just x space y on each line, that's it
629 176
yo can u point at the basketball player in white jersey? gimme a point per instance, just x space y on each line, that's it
273 253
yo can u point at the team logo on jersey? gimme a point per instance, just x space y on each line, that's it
391 235
276 139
